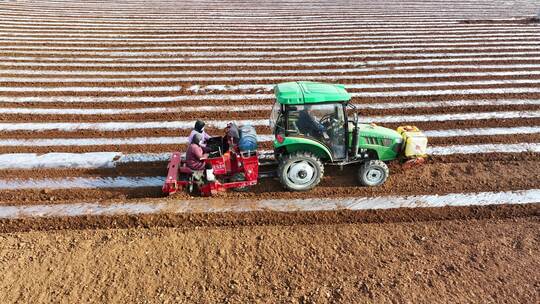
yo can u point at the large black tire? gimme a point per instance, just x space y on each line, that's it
300 171
373 173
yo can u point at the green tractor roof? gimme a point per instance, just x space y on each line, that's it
302 92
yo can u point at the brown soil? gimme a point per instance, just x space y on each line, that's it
531 20
455 260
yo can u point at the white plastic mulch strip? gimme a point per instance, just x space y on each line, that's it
249 62
198 24
121 126
125 126
43 142
82 182
484 148
111 159
262 107
193 72
114 89
244 61
452 117
161 44
270 87
482 131
117 111
529 45
172 24
165 33
349 17
281 205
89 99
59 160
270 30
448 92
75 75
32 87
219 29
451 103
236 97
175 63
22 40
56 111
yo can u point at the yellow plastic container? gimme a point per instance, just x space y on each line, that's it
414 140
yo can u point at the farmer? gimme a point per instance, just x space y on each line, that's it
232 136
309 125
195 157
199 129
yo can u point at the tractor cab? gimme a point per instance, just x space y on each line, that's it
313 114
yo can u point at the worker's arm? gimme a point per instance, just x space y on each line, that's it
199 154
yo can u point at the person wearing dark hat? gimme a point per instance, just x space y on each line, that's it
199 129
195 157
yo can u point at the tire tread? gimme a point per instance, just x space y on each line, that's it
370 163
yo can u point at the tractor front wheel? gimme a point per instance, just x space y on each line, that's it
373 173
300 171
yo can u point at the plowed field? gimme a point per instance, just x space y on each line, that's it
94 95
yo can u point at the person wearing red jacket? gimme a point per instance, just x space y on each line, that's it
195 157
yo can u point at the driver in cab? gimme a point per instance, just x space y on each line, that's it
308 124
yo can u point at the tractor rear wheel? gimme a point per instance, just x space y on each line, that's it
373 173
300 171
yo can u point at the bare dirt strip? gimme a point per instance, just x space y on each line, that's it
473 258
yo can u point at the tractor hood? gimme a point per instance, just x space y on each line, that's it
377 131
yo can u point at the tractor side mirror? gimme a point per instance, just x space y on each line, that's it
355 116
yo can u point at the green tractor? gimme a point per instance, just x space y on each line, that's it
312 129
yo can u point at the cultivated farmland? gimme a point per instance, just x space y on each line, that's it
94 95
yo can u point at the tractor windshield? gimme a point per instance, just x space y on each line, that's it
274 115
